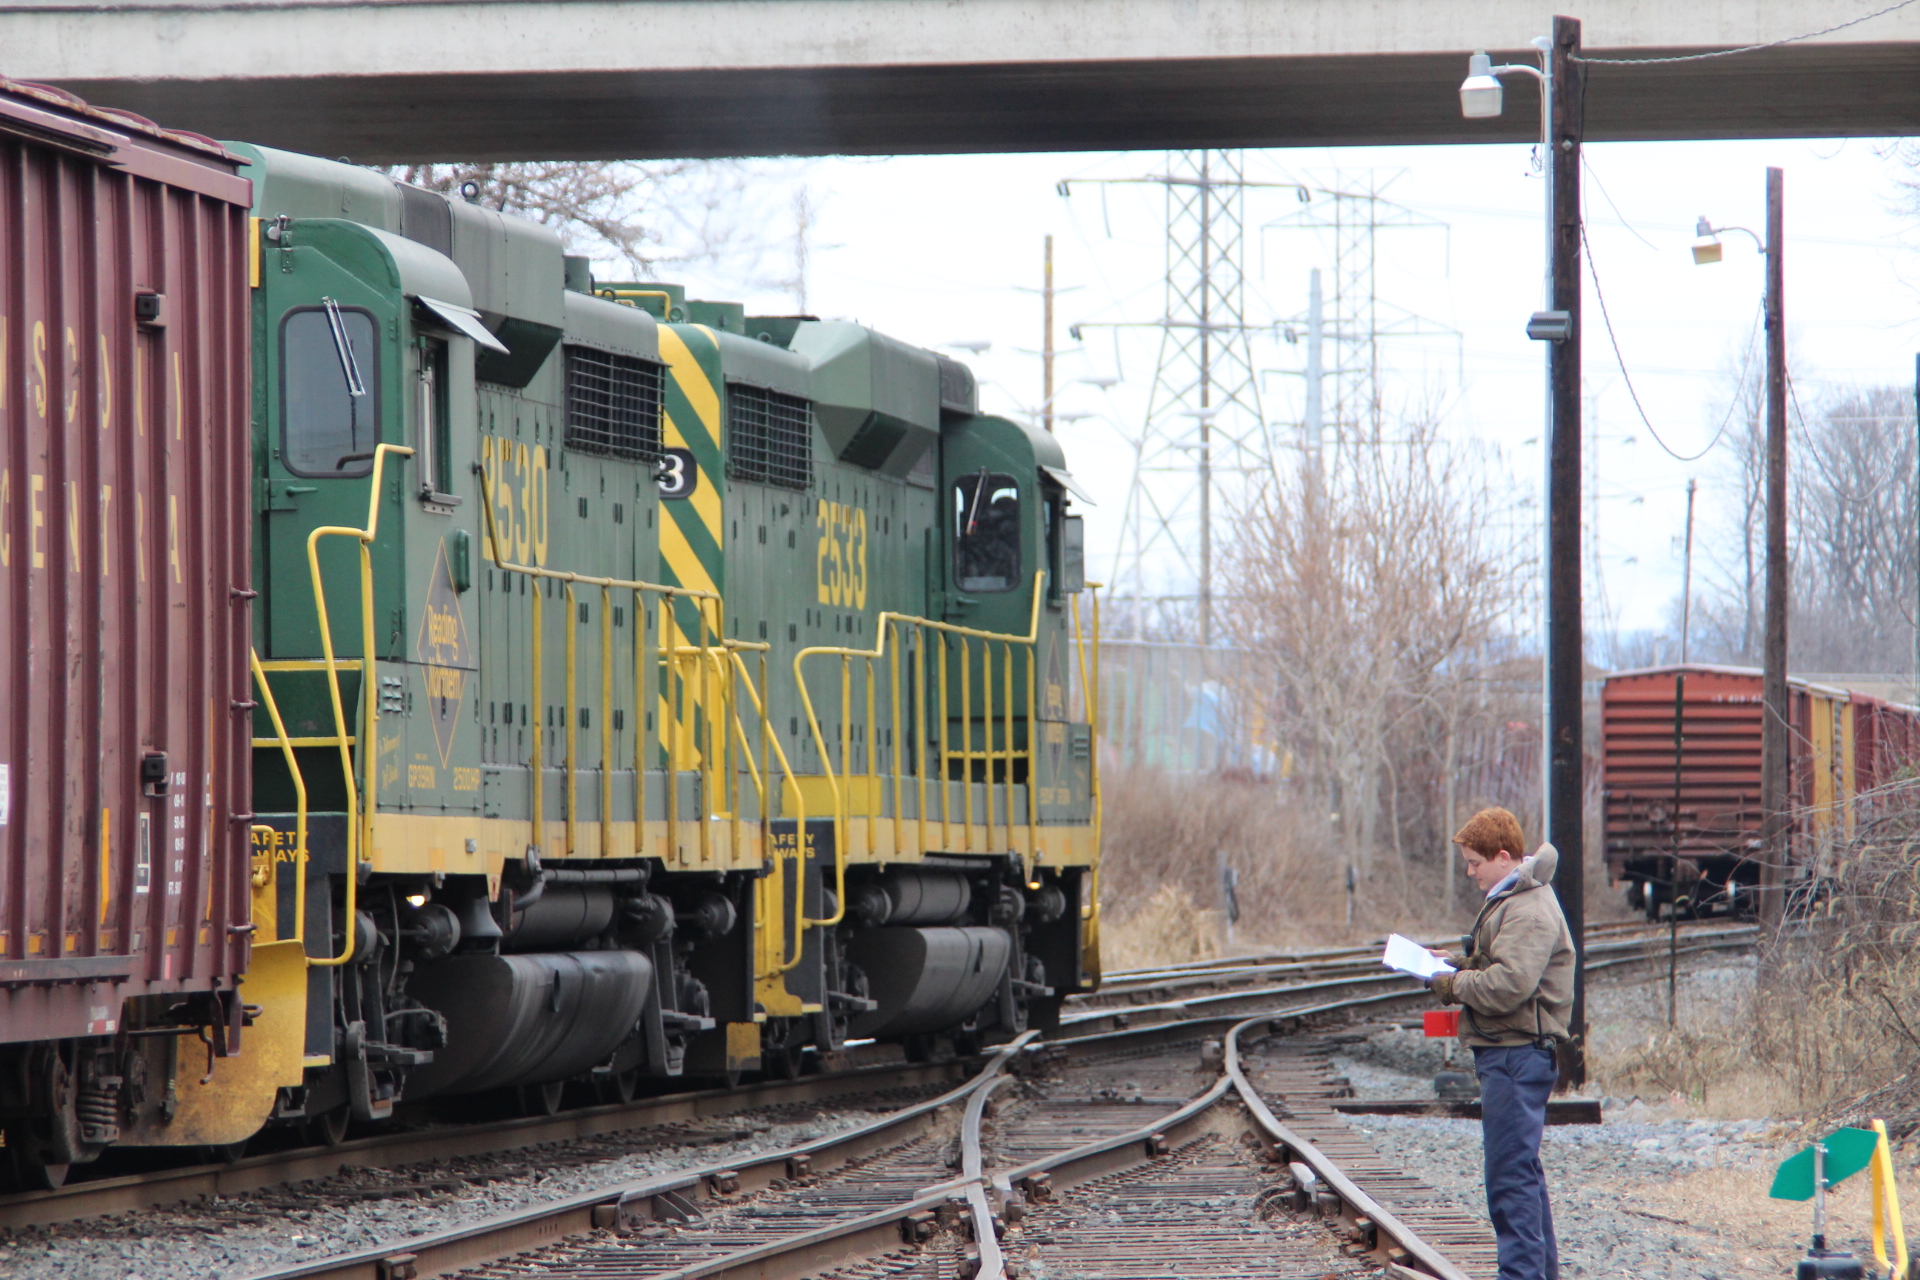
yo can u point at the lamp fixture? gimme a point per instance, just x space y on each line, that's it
1707 248
1481 97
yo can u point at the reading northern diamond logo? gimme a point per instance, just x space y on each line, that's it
445 653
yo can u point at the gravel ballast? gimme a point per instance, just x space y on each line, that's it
1659 1190
244 1235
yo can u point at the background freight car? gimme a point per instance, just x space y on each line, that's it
124 760
1843 745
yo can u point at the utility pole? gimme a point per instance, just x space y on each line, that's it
1686 577
1316 371
1564 737
1775 744
1046 349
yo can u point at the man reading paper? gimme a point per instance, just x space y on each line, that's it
1516 988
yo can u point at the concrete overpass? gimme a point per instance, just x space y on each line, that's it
386 80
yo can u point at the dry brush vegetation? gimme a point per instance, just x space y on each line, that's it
1373 597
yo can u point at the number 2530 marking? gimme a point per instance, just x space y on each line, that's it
842 559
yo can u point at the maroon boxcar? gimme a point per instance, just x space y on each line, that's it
124 626
1842 746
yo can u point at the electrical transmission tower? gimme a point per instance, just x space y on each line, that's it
1204 436
1344 332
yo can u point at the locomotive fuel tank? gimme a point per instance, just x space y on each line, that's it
927 979
527 1019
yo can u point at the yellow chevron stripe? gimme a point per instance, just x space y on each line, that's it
706 497
691 379
687 567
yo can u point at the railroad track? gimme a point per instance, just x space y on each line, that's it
1025 1158
1128 1002
1132 985
1333 981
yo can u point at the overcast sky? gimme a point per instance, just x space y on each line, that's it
939 250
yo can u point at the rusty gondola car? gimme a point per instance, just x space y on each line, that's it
1844 746
124 614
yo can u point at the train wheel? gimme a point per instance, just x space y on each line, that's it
330 1129
783 1062
26 1170
620 1087
227 1152
542 1099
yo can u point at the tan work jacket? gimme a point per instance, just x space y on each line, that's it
1517 986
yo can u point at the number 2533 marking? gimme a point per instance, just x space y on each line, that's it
842 559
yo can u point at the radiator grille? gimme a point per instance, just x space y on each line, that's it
613 404
769 437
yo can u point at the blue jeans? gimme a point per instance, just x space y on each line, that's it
1514 1084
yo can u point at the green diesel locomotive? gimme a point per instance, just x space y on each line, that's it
645 688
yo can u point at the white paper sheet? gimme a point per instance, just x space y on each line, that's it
1408 956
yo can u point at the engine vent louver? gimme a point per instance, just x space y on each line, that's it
613 404
769 437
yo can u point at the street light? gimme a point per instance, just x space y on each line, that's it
973 346
1706 249
1481 97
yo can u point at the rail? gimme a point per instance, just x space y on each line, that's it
695 722
359 805
954 664
804 1250
698 692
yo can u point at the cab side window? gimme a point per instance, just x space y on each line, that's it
329 389
986 532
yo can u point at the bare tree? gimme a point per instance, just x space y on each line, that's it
1851 520
1853 523
1371 594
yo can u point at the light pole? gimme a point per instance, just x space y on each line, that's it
1776 740
1562 79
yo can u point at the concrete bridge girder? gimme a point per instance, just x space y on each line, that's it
385 80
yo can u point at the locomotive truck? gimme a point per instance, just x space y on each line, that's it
447 673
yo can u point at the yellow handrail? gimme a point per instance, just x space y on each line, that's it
1090 691
884 626
359 806
670 736
299 803
771 741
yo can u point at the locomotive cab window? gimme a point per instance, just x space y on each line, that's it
329 388
986 532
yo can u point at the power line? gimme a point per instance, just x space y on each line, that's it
1600 295
1749 48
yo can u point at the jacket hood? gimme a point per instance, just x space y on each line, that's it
1538 869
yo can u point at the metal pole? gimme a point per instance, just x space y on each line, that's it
1686 577
1206 397
1673 868
1774 743
1316 372
1046 350
1565 734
